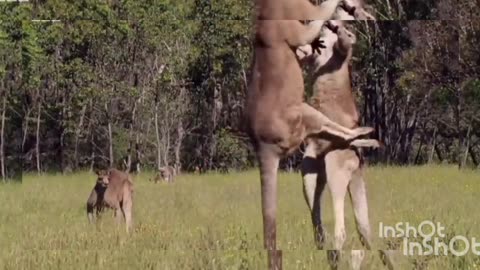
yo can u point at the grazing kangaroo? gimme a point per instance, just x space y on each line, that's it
339 168
277 118
113 189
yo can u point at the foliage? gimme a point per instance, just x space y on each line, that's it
231 151
169 79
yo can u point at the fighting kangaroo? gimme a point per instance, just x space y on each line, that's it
339 168
277 118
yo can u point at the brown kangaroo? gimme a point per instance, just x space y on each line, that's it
113 189
339 168
166 173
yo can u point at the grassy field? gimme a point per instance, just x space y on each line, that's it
213 221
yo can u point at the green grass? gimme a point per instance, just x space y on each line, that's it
213 221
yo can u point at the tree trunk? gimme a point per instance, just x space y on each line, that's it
37 137
64 165
25 129
216 112
463 160
147 132
157 135
457 115
178 146
92 154
130 139
2 140
389 8
91 135
432 146
166 139
245 80
473 156
417 156
400 9
77 134
110 135
110 144
137 153
64 162
411 128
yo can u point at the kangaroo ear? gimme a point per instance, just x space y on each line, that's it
97 172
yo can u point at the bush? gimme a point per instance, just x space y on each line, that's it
231 152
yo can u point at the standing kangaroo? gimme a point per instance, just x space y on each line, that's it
113 189
277 118
166 173
339 168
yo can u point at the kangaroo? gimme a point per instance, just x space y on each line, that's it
166 173
277 118
325 164
113 189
